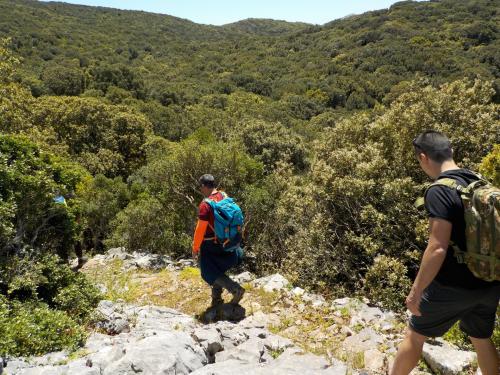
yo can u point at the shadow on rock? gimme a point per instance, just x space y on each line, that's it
226 311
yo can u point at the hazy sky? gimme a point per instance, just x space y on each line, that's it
219 12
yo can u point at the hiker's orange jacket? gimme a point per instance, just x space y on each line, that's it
199 234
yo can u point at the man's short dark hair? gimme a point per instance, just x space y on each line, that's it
435 145
207 180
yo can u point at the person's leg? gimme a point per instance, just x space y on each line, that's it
409 353
232 287
479 324
216 295
487 355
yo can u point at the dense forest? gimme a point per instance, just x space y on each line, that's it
309 127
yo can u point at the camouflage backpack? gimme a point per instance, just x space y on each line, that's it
481 202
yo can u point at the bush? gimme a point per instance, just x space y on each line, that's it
349 222
387 282
48 280
30 179
100 199
166 206
34 329
146 225
61 80
271 143
44 306
490 166
106 139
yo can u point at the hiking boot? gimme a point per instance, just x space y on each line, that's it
232 287
216 296
237 296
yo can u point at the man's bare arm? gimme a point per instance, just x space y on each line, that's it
434 255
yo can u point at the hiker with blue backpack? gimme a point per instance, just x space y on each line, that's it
217 240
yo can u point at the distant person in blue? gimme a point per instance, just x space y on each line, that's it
66 231
59 199
214 261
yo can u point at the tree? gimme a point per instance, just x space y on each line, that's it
62 80
106 139
166 207
271 143
30 179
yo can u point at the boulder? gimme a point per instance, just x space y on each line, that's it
275 282
445 359
244 277
210 340
166 352
251 351
365 340
112 320
315 300
295 361
117 253
375 361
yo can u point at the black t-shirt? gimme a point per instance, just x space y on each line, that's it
445 203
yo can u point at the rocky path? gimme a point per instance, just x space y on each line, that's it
277 330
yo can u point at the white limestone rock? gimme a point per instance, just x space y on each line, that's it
447 360
275 282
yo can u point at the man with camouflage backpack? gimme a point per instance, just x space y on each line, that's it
217 240
458 279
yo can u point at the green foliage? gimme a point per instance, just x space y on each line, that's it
286 116
271 143
45 307
167 208
30 180
456 336
146 225
35 329
61 80
490 166
387 282
47 279
105 139
350 222
7 61
100 199
354 62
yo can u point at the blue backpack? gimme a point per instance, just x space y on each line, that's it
228 222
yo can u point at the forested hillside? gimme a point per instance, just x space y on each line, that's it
309 127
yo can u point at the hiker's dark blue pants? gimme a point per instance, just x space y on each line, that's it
214 261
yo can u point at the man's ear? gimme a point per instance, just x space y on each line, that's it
423 157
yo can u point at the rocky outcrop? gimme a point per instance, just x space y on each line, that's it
131 339
163 341
139 260
445 359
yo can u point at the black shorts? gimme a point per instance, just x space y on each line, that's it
442 306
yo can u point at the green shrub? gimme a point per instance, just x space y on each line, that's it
50 281
490 166
349 221
162 217
78 299
387 282
32 328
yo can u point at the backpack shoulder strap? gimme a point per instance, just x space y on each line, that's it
209 201
448 182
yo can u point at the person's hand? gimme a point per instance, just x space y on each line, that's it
413 302
195 254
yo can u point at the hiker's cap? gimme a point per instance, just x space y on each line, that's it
207 180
